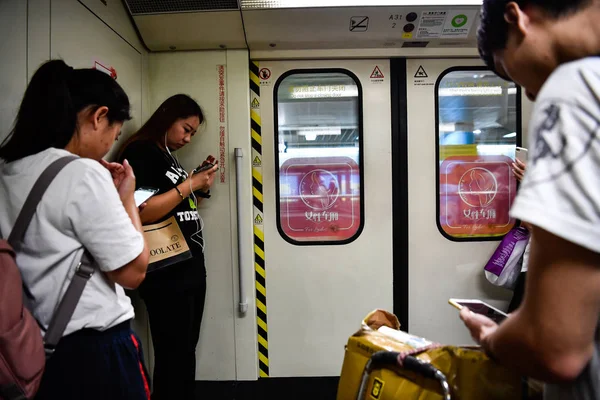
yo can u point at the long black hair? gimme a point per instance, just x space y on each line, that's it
179 106
48 113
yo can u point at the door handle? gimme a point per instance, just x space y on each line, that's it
243 301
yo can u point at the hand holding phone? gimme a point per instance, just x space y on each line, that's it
479 307
207 164
521 154
520 164
481 322
143 194
202 168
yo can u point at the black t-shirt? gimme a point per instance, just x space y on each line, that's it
155 168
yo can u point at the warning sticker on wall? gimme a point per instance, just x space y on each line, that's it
458 24
377 75
421 73
421 78
431 24
265 76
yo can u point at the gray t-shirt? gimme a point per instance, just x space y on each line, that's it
561 189
80 208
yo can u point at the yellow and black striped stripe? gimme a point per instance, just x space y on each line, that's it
259 238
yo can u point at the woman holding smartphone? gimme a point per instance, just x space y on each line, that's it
174 295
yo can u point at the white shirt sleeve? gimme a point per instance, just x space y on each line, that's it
561 189
100 221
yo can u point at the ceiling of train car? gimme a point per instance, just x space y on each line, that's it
265 4
304 24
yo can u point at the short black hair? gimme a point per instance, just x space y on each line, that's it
493 30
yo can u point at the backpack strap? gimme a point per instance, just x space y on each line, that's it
66 308
15 239
83 272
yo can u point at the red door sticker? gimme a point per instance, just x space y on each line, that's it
476 194
319 198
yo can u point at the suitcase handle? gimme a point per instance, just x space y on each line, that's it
408 362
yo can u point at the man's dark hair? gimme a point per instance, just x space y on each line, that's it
493 31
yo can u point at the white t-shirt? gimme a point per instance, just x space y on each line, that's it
80 208
561 189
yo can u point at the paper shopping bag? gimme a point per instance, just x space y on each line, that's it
167 244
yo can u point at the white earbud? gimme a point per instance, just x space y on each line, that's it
199 221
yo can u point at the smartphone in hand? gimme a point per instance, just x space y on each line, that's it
521 154
202 168
206 165
143 194
479 307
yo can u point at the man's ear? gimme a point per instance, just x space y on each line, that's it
98 115
516 18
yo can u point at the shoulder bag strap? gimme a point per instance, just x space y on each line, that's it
84 270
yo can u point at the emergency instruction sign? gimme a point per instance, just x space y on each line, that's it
451 24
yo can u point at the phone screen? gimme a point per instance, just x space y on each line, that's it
143 194
204 167
483 309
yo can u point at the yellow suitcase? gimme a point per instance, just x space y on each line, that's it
383 363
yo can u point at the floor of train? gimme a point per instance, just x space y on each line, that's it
270 388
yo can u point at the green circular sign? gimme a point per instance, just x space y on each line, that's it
459 21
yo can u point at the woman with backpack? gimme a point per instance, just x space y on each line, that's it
89 206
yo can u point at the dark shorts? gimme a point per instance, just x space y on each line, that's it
90 364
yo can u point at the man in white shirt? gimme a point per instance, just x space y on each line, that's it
550 48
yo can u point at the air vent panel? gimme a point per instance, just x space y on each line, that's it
414 44
269 4
145 7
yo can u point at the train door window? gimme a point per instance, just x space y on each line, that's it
478 128
318 153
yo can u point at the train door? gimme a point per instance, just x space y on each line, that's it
463 126
323 203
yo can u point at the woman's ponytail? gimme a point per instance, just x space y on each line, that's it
48 113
